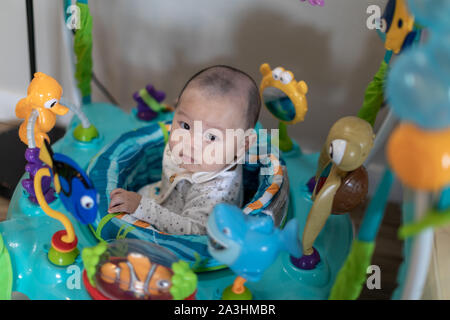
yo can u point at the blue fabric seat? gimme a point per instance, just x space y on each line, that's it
135 160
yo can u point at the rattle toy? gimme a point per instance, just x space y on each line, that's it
285 98
136 270
76 193
248 245
347 146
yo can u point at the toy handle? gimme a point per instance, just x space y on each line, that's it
70 236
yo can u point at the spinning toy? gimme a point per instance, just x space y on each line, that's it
134 269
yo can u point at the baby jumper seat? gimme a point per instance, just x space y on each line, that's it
135 159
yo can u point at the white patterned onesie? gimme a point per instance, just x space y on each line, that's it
182 201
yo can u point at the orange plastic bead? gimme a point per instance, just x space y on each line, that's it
420 159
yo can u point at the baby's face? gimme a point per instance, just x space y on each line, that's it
202 136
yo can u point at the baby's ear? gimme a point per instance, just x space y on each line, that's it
303 87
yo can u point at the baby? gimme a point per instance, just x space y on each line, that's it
202 161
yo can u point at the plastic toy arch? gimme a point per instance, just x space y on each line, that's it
283 96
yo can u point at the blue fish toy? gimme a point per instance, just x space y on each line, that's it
249 244
77 192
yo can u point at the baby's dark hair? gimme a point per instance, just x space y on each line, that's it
223 80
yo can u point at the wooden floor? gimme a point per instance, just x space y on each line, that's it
4 203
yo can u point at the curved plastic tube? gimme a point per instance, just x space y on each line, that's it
70 236
30 129
382 135
85 123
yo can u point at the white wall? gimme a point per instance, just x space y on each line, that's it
165 42
52 54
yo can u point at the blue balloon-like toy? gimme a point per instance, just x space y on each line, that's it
418 86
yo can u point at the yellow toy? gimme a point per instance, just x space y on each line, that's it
279 84
398 25
285 98
63 250
39 108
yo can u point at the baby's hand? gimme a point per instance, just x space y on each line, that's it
124 201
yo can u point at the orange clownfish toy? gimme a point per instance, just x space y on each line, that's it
138 275
42 103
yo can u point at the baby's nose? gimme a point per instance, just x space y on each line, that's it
197 142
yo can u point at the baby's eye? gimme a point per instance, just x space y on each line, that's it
184 125
211 137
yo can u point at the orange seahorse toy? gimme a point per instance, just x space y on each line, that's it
40 105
